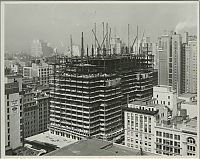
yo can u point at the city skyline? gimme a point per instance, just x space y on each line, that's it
100 79
50 23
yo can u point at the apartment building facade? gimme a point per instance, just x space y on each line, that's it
35 112
13 114
166 137
41 70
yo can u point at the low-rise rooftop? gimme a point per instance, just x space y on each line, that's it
96 147
188 95
47 137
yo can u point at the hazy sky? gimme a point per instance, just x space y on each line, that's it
55 22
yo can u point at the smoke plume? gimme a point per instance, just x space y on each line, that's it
184 25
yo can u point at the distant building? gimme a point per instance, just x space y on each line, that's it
11 64
169 48
13 114
40 48
41 70
27 72
191 66
36 111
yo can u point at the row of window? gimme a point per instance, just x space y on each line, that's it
136 146
65 134
167 142
168 135
162 102
167 97
191 148
167 148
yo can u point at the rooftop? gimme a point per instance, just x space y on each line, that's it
188 95
52 139
14 76
95 147
180 100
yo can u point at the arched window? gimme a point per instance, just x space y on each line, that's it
191 140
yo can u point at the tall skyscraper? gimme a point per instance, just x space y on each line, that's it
191 66
175 63
169 48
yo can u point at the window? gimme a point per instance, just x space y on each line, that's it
8 124
8 130
8 117
7 110
157 96
168 97
7 103
164 134
168 103
7 96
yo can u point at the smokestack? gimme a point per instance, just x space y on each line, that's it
82 48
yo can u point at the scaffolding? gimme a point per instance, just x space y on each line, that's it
88 92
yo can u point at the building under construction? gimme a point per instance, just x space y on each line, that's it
88 92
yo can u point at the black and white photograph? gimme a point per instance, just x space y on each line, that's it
99 79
